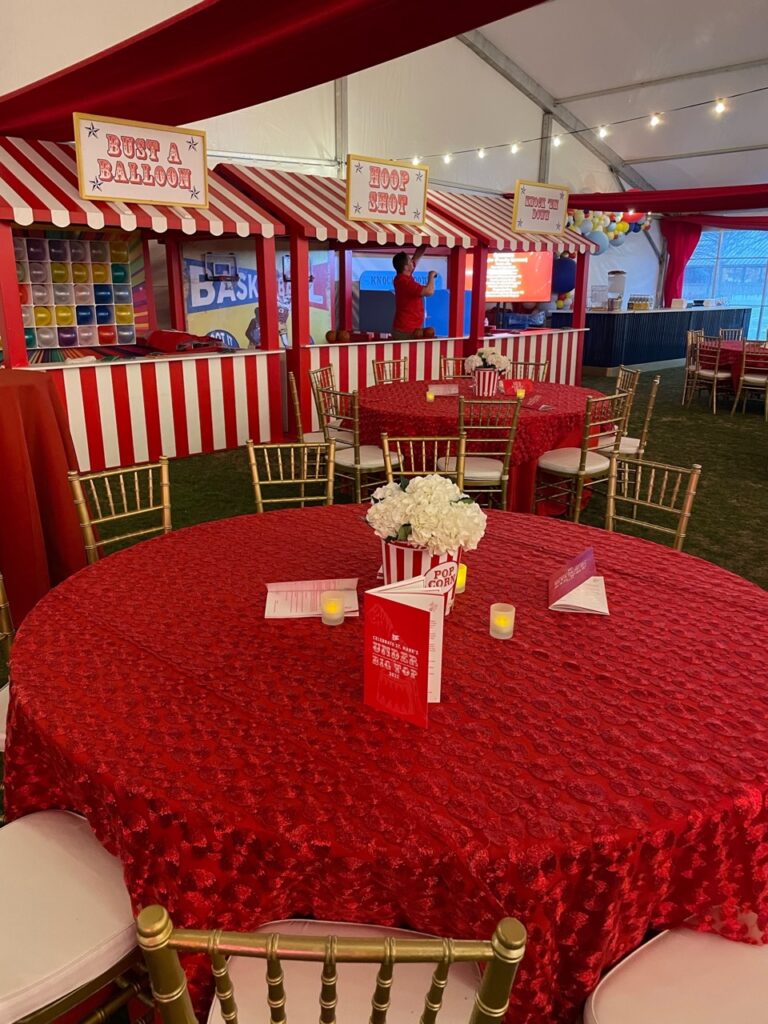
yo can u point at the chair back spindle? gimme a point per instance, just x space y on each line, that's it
658 492
294 473
522 370
387 371
407 457
452 368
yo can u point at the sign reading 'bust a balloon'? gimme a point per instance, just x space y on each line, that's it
129 161
384 190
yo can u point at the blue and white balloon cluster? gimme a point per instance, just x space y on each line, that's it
606 229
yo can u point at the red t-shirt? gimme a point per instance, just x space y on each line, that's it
409 304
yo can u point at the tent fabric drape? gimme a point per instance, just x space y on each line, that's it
224 55
681 237
677 200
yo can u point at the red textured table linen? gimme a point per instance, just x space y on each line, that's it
401 409
731 355
40 540
593 776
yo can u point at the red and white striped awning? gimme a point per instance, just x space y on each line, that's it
38 185
490 218
317 207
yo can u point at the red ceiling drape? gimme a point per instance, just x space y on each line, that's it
682 237
223 55
678 200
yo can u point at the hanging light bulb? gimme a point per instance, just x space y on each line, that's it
481 153
602 132
720 107
416 160
447 158
630 211
557 140
514 149
655 120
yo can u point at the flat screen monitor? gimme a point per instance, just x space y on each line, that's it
519 277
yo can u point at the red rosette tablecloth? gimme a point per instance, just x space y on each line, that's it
402 410
594 776
731 356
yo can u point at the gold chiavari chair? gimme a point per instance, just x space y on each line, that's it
6 640
658 492
706 369
690 363
452 368
627 380
636 445
324 379
293 961
753 377
388 371
421 456
68 928
300 473
118 495
522 370
563 472
355 461
731 333
314 436
490 427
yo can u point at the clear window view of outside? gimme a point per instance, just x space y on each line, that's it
732 266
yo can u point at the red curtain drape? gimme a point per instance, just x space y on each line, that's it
223 55
681 237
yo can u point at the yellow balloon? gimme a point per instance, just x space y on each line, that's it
622 226
559 303
65 316
42 316
578 217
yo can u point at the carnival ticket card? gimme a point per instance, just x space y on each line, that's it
577 587
403 649
300 599
443 390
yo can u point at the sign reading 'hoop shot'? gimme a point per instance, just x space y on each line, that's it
383 190
133 162
540 208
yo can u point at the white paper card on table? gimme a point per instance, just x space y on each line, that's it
300 599
577 587
443 390
403 648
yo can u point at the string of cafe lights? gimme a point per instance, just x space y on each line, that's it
718 106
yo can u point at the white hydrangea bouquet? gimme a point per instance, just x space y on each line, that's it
487 366
425 524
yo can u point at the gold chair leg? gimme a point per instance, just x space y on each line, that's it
736 400
579 489
714 397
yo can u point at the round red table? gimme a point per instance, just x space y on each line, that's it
402 410
731 353
594 776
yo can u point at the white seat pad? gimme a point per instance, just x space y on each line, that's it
710 374
314 437
476 467
629 445
371 457
759 380
355 986
566 461
66 914
684 977
5 694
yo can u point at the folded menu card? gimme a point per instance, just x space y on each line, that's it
441 390
403 652
300 599
577 588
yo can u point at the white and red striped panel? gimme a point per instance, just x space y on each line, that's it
318 205
490 218
352 363
38 185
134 411
562 349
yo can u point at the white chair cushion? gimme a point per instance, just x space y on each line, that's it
710 374
476 467
566 462
66 914
339 434
371 457
759 380
314 437
684 977
355 986
4 697
629 445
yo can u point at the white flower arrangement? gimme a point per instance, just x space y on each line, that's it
487 359
429 512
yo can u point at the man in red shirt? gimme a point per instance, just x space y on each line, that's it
409 295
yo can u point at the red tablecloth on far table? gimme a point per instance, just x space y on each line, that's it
401 409
594 776
731 355
40 539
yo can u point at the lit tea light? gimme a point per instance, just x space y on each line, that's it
520 393
502 621
430 396
332 607
461 579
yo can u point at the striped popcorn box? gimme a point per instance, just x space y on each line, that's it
401 561
486 383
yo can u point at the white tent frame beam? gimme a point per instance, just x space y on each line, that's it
648 83
695 154
503 65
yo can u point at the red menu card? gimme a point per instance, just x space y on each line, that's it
403 649
577 587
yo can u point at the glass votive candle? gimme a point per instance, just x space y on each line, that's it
332 607
502 621
430 396
520 393
461 578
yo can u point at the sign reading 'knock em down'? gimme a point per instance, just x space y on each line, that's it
129 161
384 190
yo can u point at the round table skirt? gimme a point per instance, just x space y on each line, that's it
594 776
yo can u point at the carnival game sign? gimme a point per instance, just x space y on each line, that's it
383 190
540 208
133 162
